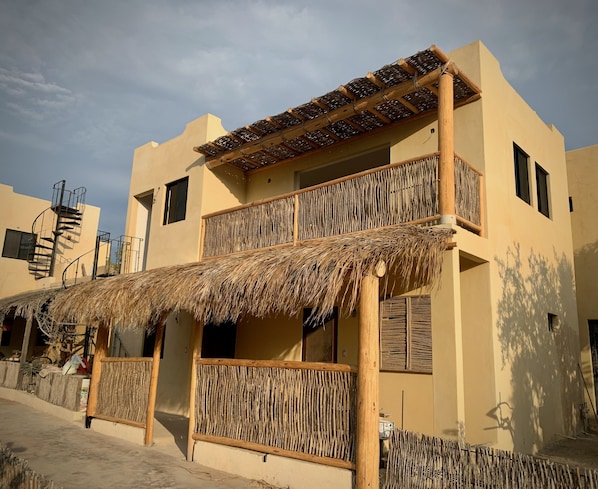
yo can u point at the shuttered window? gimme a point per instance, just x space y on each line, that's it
406 334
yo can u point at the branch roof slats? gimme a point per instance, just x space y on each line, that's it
391 94
320 273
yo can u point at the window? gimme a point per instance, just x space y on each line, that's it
339 169
542 188
521 174
406 334
319 338
18 244
176 201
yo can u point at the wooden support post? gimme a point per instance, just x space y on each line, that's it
446 165
368 379
96 373
153 387
196 354
26 340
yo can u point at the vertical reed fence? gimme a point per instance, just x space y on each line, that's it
304 410
15 473
395 194
9 374
123 391
467 192
418 461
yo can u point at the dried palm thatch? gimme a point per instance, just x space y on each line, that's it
26 304
319 273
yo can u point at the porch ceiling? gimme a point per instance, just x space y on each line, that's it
392 94
259 283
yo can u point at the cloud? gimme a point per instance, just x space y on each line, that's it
82 84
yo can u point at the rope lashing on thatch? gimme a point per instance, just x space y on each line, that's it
319 273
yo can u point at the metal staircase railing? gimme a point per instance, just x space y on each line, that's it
65 214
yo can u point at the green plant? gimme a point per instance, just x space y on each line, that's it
31 370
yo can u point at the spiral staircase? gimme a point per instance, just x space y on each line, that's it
49 228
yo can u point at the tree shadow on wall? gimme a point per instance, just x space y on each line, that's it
541 363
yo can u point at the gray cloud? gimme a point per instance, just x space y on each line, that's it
84 83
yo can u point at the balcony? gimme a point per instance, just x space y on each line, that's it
399 193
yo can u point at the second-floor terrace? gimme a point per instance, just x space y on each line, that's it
434 188
398 193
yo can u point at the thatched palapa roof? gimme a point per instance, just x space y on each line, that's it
320 273
26 304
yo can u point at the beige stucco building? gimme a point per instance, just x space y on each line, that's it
25 217
504 327
431 160
582 174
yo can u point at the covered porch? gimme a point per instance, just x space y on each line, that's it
323 413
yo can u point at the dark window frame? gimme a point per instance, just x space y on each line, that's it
18 244
175 207
522 180
542 190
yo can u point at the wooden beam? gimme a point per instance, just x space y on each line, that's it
96 372
196 343
324 120
257 447
153 387
446 164
367 457
26 341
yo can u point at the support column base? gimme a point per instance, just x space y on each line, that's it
448 219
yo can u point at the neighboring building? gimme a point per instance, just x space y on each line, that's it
582 173
31 233
488 356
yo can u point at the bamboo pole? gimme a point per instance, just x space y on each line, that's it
96 373
446 164
153 388
195 356
26 340
368 379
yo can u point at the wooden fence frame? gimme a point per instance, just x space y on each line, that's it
269 364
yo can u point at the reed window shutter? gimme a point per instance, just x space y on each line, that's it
406 334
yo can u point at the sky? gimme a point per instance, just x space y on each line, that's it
82 84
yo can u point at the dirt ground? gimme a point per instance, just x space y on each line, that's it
581 450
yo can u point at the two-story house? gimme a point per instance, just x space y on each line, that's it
399 247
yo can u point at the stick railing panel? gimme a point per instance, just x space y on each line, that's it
468 192
123 390
405 192
420 461
296 409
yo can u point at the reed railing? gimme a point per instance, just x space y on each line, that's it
417 461
296 409
123 390
405 192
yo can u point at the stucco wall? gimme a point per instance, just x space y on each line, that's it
582 173
19 212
